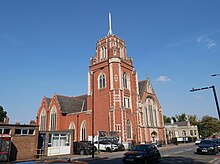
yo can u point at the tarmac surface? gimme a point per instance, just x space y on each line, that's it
84 159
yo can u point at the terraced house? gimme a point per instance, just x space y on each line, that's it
121 103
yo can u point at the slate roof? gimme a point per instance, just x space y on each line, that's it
179 124
142 87
48 100
184 123
72 104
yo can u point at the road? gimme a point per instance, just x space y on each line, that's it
183 153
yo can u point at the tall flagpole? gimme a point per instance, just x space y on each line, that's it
110 24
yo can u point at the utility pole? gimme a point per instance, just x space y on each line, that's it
218 74
215 96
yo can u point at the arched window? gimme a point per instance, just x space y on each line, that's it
125 80
103 53
72 126
43 120
150 105
53 118
146 116
122 53
129 129
83 131
102 81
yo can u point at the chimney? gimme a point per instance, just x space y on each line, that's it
32 122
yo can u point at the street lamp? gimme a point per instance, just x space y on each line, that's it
218 74
93 126
215 96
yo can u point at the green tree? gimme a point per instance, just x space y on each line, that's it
209 126
166 119
181 118
3 114
193 119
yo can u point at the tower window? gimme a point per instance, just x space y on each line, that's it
127 102
102 81
125 80
103 53
122 53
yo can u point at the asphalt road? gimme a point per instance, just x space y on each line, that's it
171 154
183 153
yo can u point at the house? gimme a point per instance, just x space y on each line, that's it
182 131
17 140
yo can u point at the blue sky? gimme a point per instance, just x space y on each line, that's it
45 47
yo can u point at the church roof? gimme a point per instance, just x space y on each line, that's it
142 87
48 100
72 104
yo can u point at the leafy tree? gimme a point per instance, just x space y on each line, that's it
181 118
208 126
166 119
193 119
3 114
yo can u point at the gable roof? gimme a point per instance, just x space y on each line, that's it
48 100
142 87
72 104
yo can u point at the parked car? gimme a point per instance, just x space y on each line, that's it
144 153
82 148
197 141
106 146
121 147
217 142
207 147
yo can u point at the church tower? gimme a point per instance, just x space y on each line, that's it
113 88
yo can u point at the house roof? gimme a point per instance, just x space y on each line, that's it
179 124
142 87
184 123
72 104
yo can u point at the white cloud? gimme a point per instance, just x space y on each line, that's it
209 43
163 78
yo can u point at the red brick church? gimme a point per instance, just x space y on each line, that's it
121 103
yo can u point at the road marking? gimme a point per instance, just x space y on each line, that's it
213 160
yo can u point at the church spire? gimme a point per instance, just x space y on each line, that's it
110 24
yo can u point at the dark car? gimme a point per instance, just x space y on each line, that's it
217 142
207 147
144 153
82 148
121 147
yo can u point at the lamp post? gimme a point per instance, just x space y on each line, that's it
93 150
218 74
215 96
